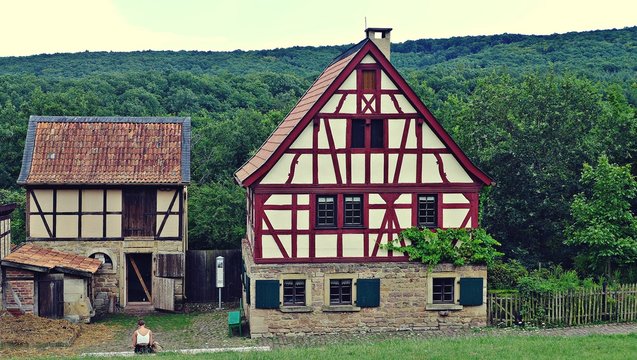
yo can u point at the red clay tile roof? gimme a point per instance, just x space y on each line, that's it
33 255
105 151
296 114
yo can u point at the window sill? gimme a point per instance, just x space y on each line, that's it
340 308
438 307
296 309
354 227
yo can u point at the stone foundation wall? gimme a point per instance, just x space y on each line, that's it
404 303
109 284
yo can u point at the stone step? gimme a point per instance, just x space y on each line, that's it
139 308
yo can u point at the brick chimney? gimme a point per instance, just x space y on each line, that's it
380 37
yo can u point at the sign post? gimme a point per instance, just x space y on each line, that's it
219 277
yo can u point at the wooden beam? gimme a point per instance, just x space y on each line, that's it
141 280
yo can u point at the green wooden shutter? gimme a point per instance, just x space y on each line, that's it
471 291
368 292
267 294
247 287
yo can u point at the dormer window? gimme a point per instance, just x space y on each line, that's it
376 130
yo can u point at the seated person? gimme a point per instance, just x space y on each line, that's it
142 338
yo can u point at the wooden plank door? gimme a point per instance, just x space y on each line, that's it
140 210
164 293
51 296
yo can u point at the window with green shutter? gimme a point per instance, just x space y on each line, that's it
368 292
267 294
471 291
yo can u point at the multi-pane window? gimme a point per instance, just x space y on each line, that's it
427 211
369 79
326 211
358 133
378 134
294 292
340 291
443 290
353 210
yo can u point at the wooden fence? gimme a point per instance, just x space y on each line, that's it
565 308
201 275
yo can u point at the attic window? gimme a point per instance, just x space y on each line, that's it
369 79
50 156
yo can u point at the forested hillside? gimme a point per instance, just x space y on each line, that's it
529 110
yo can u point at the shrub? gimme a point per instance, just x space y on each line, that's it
506 275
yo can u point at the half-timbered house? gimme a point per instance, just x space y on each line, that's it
357 160
114 189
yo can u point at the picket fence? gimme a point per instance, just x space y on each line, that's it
564 308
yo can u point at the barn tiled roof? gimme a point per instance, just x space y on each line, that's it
299 111
45 259
106 150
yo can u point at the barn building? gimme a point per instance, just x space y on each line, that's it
357 160
113 189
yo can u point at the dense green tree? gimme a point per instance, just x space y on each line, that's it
604 228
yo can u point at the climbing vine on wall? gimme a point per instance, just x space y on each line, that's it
456 246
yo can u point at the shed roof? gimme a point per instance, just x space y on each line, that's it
41 259
106 150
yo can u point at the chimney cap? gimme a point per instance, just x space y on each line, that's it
377 29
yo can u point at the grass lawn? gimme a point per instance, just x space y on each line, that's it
488 347
165 322
481 347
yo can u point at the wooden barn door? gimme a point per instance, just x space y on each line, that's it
169 268
51 296
139 277
140 211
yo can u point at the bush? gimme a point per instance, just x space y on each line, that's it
551 279
506 275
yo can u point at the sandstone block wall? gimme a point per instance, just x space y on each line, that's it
404 294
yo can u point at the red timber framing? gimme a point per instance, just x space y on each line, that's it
367 108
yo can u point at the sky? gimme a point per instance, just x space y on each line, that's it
52 26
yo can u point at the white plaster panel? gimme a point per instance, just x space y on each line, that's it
303 199
37 228
280 219
92 200
302 246
303 170
113 225
66 226
303 219
387 105
353 245
350 82
377 165
454 199
349 105
278 174
326 171
331 104
395 129
376 218
411 136
386 83
393 161
408 169
114 200
171 228
67 200
429 139
342 163
304 140
375 199
358 168
322 136
455 172
325 245
269 249
164 198
339 132
383 240
368 59
403 199
452 218
404 218
92 226
430 173
404 104
45 199
279 199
